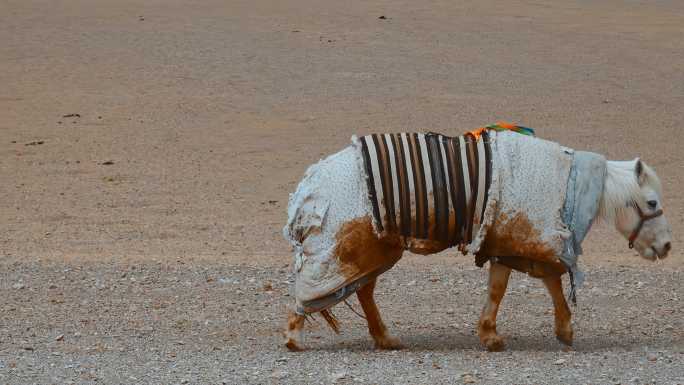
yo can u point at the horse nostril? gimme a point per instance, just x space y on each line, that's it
667 247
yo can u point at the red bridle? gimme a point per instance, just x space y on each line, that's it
642 218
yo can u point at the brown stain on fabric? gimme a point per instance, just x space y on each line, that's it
360 251
516 243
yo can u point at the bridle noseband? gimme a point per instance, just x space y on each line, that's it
642 218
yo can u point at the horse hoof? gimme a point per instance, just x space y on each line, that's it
388 343
292 346
494 344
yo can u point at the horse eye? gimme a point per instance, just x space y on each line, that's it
652 204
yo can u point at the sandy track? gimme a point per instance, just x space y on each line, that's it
210 111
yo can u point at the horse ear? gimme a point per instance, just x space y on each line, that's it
639 170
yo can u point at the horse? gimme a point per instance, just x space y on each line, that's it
507 197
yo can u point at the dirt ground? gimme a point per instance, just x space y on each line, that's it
147 150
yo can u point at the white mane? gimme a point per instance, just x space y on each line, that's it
622 188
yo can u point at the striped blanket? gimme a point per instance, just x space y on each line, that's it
428 186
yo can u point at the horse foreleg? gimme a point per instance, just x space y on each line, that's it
498 281
376 327
561 309
293 333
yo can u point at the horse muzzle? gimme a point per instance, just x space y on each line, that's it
664 251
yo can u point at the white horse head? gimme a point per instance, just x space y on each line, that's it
632 201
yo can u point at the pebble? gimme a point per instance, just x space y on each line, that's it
652 357
18 286
559 362
338 376
279 374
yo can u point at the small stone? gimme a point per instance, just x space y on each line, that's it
59 337
339 376
279 374
411 283
559 361
468 379
652 357
18 286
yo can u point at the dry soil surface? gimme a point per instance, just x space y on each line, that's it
147 150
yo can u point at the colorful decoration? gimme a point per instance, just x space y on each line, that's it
502 126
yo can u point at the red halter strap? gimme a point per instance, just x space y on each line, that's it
642 218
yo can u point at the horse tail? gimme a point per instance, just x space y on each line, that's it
331 320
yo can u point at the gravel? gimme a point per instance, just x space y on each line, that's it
215 321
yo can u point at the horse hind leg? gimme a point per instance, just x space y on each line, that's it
376 327
562 315
293 333
498 281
